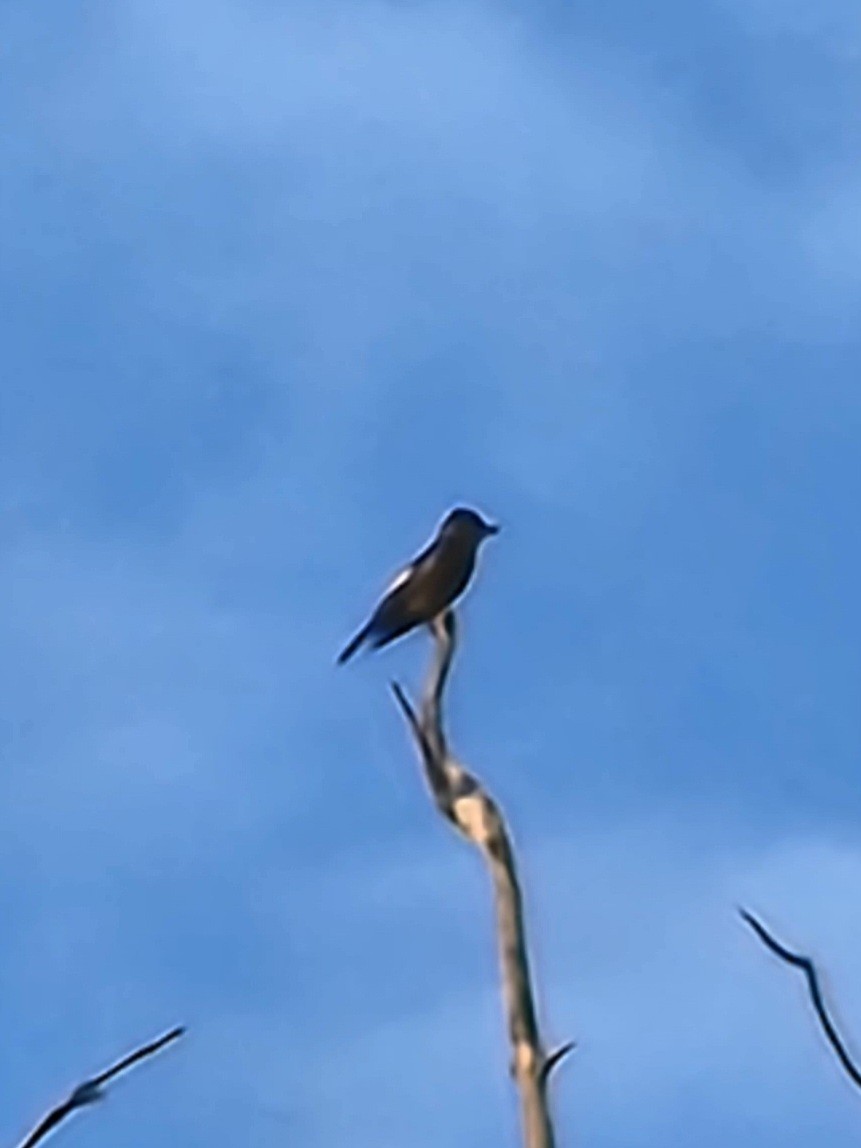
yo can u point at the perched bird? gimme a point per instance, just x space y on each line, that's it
431 582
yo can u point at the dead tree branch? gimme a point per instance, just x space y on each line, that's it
89 1091
464 801
813 987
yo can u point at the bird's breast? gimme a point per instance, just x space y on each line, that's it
444 580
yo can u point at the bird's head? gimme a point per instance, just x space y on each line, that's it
468 523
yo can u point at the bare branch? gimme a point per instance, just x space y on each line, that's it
410 714
436 776
556 1057
444 630
91 1090
807 966
462 798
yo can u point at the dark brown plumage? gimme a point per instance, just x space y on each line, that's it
432 581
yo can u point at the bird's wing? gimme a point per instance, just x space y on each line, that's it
395 610
400 579
403 576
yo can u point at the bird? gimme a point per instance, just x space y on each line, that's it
429 584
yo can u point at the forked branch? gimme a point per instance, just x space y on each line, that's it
798 961
93 1089
461 798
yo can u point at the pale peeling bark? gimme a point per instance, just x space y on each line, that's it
461 797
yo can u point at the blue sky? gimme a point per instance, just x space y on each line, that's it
280 284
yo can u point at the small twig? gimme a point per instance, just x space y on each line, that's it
410 714
807 966
555 1058
438 780
91 1090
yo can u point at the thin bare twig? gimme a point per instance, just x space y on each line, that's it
91 1090
798 961
555 1058
462 798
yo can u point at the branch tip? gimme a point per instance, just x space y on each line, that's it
797 960
91 1090
772 942
409 713
555 1058
401 698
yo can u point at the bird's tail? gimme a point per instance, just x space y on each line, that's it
353 645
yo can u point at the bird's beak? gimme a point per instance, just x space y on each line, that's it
492 528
